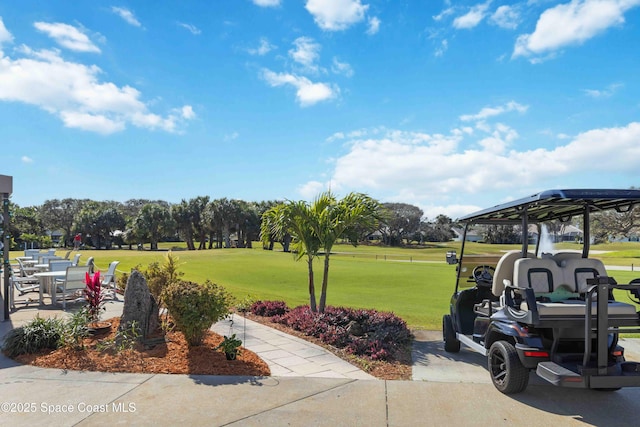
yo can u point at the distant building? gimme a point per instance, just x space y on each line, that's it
472 235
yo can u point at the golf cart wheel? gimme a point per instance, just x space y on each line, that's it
451 343
507 372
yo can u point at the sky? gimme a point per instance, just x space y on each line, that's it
451 106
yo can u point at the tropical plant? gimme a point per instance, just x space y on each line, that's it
230 346
346 218
152 222
94 296
36 335
294 219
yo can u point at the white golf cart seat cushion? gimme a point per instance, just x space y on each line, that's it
504 271
576 271
544 276
541 275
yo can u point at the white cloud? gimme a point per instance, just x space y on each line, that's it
434 168
5 35
571 24
440 50
306 52
307 92
192 28
507 17
231 136
67 36
187 112
374 26
263 48
266 3
336 15
75 93
311 189
487 112
127 15
446 12
603 93
341 68
26 159
472 18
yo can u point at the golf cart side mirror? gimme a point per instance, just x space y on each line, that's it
451 257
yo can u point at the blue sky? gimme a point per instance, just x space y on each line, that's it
448 105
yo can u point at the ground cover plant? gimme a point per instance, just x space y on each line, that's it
366 333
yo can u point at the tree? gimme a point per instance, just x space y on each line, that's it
99 220
402 222
197 208
152 223
333 220
295 219
320 225
439 230
183 221
59 215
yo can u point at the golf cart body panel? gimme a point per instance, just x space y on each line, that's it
527 310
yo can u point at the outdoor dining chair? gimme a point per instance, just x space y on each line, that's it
72 285
109 279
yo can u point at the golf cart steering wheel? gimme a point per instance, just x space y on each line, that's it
483 275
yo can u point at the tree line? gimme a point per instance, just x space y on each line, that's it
205 223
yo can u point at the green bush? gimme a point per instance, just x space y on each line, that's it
159 276
36 335
196 307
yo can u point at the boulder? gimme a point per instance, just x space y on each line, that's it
139 306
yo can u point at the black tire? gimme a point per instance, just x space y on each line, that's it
507 372
451 343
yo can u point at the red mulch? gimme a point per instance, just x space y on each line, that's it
173 356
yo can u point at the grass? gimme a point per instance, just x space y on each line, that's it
415 284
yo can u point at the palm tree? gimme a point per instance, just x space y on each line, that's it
294 218
347 218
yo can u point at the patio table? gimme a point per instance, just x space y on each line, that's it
45 278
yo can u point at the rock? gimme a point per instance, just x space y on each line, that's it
354 328
139 306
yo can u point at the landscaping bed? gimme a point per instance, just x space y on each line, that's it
170 355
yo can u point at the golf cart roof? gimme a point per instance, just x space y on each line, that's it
556 204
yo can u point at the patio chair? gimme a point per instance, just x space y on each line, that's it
109 279
76 259
59 264
24 270
90 264
72 285
22 285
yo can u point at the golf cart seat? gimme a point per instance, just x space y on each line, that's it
559 290
504 270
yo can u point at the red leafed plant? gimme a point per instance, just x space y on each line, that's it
94 296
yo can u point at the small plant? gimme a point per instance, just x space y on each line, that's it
94 297
244 304
194 307
76 329
125 339
36 335
230 346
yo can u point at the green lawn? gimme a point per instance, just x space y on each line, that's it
416 284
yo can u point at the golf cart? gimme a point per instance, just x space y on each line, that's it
554 313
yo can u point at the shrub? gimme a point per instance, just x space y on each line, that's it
159 276
269 308
196 307
36 335
369 333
